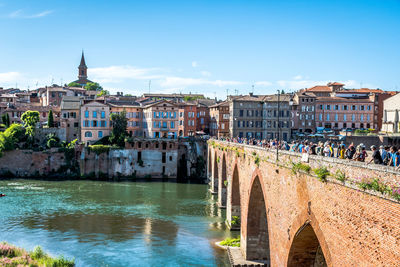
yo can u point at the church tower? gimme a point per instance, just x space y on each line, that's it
82 75
82 72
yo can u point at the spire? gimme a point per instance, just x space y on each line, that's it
82 60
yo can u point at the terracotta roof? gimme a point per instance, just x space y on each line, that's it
319 88
336 83
222 104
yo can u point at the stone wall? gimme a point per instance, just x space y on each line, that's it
303 219
27 163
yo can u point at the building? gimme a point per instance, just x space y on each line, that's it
15 112
95 121
187 120
246 116
70 116
219 119
303 113
82 72
390 120
160 120
337 113
325 90
277 117
134 115
177 98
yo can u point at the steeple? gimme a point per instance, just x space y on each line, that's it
82 68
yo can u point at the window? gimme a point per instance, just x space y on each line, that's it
241 113
103 114
321 107
336 107
172 124
86 123
368 107
201 120
353 107
345 117
94 114
327 117
164 124
94 123
361 107
86 114
222 126
368 117
361 117
100 134
328 107
103 123
353 118
88 134
345 107
336 117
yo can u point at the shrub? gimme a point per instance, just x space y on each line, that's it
322 173
231 242
99 149
257 161
300 166
235 220
340 176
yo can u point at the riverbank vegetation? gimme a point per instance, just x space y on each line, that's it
231 242
11 256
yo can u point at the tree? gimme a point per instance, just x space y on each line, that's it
74 84
12 135
93 87
50 119
119 124
52 141
128 95
30 118
102 93
6 119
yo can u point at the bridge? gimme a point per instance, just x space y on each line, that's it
306 210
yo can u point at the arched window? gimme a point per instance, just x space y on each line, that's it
88 134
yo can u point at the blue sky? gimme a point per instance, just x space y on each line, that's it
201 46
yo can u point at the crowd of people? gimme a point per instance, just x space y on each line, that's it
384 155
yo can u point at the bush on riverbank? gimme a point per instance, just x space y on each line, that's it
11 256
230 242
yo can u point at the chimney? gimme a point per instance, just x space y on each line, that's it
250 94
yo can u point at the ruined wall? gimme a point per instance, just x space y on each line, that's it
353 227
25 163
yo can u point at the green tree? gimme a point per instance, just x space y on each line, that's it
93 87
119 124
102 93
52 141
12 135
128 95
50 119
30 118
74 84
6 120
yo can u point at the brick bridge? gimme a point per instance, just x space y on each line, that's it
289 217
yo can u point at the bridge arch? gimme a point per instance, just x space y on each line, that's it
256 233
222 186
305 249
233 200
214 180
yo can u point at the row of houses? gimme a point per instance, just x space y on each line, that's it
86 117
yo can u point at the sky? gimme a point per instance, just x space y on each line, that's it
198 46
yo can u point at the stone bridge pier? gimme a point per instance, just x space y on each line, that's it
290 215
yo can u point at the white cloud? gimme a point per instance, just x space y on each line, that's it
115 74
183 82
19 14
205 73
10 77
297 77
194 64
263 83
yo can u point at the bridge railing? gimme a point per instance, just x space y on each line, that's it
358 175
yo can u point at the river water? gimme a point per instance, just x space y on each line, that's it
115 224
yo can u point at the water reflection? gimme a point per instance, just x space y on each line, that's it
118 228
115 224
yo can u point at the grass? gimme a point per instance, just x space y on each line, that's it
340 176
231 242
11 256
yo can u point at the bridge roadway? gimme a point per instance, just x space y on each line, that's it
292 217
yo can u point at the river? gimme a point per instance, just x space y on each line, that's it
115 224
